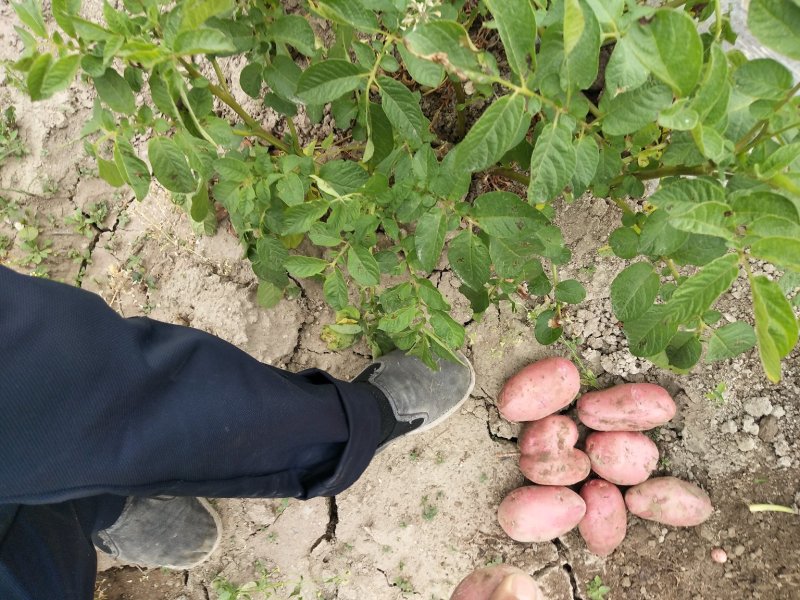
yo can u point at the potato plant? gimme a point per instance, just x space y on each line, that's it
573 96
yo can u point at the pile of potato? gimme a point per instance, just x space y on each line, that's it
616 450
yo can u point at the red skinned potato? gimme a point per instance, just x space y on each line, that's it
606 520
548 456
483 583
622 457
670 501
538 390
626 407
540 513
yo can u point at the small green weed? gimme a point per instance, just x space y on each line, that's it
429 510
717 395
403 584
10 143
266 584
86 223
596 589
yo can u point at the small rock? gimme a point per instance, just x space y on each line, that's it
768 428
718 555
739 550
758 407
784 462
745 443
778 412
626 582
749 425
781 447
730 427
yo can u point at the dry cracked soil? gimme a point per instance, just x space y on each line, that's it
423 514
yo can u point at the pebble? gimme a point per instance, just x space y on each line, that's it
626 582
758 407
768 428
746 443
749 425
739 550
778 412
785 462
781 447
730 427
719 555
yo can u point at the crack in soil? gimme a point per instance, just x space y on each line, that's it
562 553
98 231
333 521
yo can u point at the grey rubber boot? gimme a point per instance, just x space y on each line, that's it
416 392
164 531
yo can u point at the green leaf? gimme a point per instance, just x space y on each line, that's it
60 75
131 167
587 156
295 31
469 259
624 72
697 294
424 72
362 266
707 218
781 251
37 74
290 190
711 144
447 329
169 166
197 12
679 116
634 290
543 332
775 23
776 162
514 258
730 340
250 79
505 215
429 238
63 11
346 177
659 237
581 46
398 320
446 42
203 41
201 207
283 76
630 111
327 80
299 218
349 12
763 79
669 46
776 325
305 266
402 109
268 260
492 134
115 91
516 25
713 84
650 333
570 291
335 290
624 242
552 163
684 350
30 13
268 294
109 173
756 204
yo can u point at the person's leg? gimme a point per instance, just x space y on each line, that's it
46 550
93 403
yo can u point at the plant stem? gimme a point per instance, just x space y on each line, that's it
295 138
511 174
220 76
623 206
672 269
665 172
718 20
461 99
748 140
227 98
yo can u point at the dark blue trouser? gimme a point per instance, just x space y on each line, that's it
94 407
